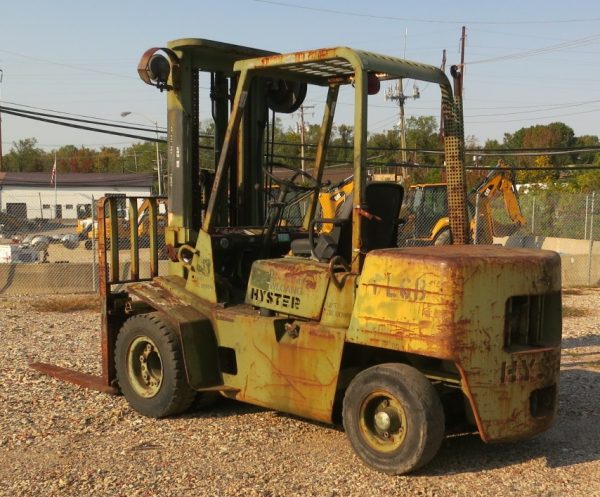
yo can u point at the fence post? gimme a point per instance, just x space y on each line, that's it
94 268
476 234
587 199
533 214
591 239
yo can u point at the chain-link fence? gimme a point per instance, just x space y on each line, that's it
568 223
562 214
49 254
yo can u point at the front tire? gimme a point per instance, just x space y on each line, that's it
393 418
150 369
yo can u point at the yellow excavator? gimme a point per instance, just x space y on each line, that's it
424 216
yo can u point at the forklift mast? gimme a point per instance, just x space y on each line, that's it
177 69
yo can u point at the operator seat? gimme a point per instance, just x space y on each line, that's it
383 201
336 242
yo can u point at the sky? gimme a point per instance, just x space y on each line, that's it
527 62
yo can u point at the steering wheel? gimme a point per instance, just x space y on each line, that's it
290 183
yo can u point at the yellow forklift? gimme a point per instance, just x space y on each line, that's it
398 345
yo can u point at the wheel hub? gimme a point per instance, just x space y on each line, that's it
383 421
144 367
387 420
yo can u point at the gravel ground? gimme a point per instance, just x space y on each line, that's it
60 440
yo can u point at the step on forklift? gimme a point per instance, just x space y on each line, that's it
400 345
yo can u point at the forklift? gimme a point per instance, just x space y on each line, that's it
400 345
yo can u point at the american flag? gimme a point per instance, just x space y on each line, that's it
53 175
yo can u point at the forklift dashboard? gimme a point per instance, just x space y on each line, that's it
232 238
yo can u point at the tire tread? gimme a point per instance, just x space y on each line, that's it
182 396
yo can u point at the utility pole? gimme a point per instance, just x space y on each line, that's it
443 68
302 135
463 39
398 94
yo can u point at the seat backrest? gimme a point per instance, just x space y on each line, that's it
383 199
339 240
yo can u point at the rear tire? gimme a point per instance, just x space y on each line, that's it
393 418
150 368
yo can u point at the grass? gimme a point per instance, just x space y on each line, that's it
572 291
574 312
67 303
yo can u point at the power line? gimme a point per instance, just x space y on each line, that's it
499 151
546 108
484 152
374 125
78 126
423 20
413 165
71 66
162 128
22 113
565 45
534 117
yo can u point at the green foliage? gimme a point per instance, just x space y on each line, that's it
552 211
25 156
585 181
340 151
553 135
140 157
587 141
382 147
423 132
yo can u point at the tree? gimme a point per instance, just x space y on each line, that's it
383 148
587 181
341 144
71 159
586 141
423 133
140 157
109 160
25 156
553 135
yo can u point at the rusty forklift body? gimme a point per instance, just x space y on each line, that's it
321 324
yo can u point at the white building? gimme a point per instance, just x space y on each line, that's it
33 196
